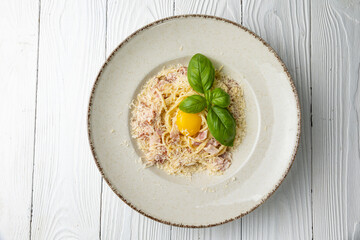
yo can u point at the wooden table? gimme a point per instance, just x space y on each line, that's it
50 53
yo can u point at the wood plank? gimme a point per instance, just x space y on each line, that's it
230 10
67 184
185 233
118 221
335 49
285 25
18 67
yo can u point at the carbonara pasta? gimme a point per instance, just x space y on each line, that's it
154 125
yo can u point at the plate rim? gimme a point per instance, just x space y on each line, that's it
171 18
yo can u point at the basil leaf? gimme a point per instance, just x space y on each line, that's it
193 104
201 73
220 98
208 96
222 125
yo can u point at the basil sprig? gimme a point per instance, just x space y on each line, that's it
201 75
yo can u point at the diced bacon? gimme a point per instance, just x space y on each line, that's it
163 150
154 139
148 114
160 132
174 133
143 135
226 155
211 149
160 158
170 77
161 83
182 70
213 142
224 164
157 156
146 128
201 136
223 161
143 105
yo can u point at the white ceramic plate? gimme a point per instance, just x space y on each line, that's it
262 160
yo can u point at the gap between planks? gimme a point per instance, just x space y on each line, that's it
35 112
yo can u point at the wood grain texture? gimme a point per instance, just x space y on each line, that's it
230 10
18 67
319 43
66 193
118 221
336 107
185 233
227 9
285 25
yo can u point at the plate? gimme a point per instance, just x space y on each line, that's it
260 163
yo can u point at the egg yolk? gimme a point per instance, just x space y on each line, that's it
188 123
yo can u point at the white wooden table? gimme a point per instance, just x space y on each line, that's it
50 53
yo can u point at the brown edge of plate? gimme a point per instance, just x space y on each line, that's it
218 19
